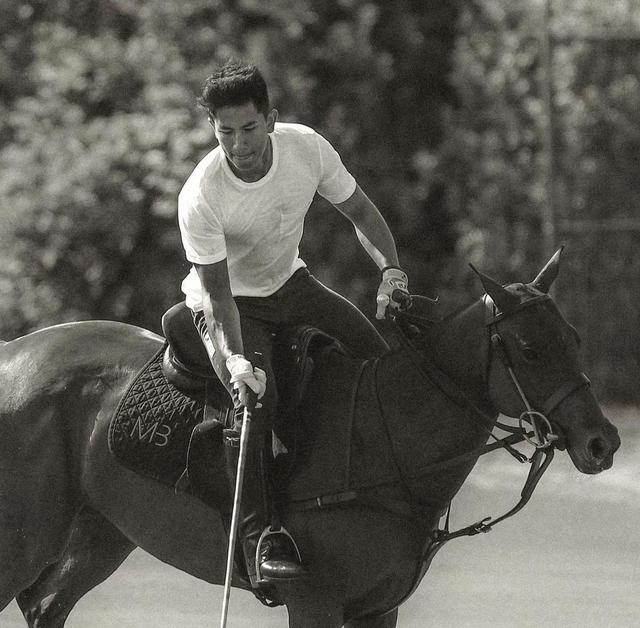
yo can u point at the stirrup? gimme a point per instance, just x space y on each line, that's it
266 533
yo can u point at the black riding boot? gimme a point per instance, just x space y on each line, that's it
278 557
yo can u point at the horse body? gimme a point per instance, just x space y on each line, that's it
62 417
182 532
70 513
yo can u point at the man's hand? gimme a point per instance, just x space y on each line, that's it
246 379
393 292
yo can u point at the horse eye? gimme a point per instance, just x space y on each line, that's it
530 354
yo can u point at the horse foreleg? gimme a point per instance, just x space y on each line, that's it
390 620
314 617
314 603
95 549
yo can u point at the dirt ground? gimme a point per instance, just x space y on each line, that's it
571 559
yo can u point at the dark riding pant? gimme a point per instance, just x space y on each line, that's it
301 300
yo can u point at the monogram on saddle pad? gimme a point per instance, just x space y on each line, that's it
178 392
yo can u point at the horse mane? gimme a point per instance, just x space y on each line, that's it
419 329
426 323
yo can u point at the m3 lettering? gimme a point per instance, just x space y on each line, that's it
156 434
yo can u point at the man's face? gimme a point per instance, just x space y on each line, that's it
243 134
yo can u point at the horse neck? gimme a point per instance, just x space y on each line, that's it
459 347
425 417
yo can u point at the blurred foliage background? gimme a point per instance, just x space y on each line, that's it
483 132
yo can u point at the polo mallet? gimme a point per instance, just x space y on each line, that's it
237 497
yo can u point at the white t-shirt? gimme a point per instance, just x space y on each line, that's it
257 226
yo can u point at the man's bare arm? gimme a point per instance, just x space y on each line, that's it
375 236
371 228
220 310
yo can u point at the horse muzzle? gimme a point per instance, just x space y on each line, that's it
596 453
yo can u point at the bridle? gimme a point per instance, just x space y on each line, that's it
542 433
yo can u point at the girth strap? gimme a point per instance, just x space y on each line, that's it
324 501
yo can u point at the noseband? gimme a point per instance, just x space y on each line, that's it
542 432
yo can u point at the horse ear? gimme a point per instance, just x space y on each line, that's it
548 274
504 299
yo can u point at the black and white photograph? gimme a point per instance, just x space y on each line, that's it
319 313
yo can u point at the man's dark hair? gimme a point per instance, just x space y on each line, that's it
235 84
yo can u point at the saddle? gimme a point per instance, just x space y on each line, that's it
186 364
168 426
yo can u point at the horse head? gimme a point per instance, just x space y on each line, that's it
533 371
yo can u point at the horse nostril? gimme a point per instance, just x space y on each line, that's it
598 448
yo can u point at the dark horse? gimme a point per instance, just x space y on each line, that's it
70 513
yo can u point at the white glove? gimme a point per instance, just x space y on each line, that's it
393 279
244 376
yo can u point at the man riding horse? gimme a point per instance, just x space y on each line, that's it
241 215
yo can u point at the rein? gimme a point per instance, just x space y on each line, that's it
541 435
